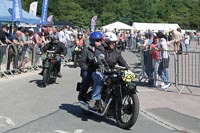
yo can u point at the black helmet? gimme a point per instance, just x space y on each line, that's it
54 37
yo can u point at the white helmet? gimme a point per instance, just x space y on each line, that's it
110 37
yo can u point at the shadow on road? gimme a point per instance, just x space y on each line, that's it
38 82
76 111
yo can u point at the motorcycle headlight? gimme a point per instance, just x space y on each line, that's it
128 76
76 49
49 55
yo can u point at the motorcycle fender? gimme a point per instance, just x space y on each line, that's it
46 64
132 88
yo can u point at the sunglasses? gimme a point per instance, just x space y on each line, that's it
97 40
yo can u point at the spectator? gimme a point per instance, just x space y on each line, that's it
3 41
186 41
17 48
37 38
27 45
155 59
177 39
164 62
148 60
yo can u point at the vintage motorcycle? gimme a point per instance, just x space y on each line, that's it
49 68
77 55
119 98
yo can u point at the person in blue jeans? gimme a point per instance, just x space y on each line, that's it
112 56
164 62
89 62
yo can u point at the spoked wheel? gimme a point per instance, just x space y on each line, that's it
127 111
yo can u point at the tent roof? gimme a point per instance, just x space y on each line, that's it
154 26
6 16
117 25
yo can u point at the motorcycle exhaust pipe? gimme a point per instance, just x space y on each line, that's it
85 106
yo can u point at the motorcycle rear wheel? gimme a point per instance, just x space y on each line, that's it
127 111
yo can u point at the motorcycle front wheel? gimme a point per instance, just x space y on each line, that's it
75 60
45 77
127 111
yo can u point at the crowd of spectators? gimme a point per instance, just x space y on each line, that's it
25 41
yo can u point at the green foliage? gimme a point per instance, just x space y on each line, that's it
184 12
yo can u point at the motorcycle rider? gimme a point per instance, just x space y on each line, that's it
79 41
58 48
112 56
89 62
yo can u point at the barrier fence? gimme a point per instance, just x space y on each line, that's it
12 61
183 69
2 59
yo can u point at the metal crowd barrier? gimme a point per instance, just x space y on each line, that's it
132 43
7 60
195 43
2 60
183 69
188 72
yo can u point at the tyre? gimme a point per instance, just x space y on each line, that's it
75 60
127 111
45 77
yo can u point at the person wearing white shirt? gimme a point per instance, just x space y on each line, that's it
186 41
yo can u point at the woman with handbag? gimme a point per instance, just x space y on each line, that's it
164 63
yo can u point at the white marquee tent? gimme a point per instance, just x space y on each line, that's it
154 26
117 25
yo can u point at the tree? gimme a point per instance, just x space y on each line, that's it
184 12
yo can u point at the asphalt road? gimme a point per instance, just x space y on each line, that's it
26 107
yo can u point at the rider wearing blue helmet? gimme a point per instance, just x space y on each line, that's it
89 62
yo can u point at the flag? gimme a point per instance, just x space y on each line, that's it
17 10
44 11
50 20
93 23
33 8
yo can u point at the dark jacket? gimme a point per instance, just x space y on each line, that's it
114 57
58 48
89 58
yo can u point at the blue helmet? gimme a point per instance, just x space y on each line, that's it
95 36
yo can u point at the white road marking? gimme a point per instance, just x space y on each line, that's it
60 131
6 121
9 121
78 131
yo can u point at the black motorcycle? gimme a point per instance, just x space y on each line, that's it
49 68
77 55
119 99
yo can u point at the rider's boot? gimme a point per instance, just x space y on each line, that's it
93 104
81 96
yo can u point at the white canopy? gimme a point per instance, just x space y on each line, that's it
117 25
154 26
